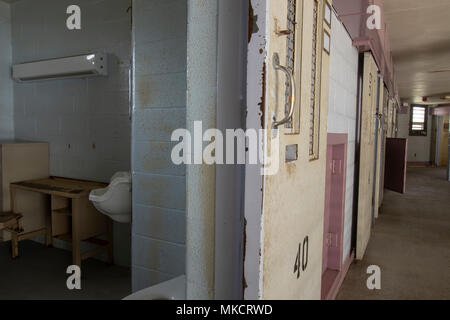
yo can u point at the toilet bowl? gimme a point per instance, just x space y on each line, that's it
174 289
114 201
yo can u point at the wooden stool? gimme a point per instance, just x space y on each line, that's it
10 222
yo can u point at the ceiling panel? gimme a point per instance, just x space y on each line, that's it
420 42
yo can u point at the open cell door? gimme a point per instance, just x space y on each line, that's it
289 47
367 165
396 164
379 148
383 126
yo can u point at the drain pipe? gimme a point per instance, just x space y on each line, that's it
202 33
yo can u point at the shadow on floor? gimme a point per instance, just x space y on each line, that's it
410 243
40 273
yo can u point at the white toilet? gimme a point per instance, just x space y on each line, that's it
115 200
174 289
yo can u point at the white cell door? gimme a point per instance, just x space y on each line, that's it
367 155
294 39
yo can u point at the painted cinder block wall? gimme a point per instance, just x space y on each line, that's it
75 114
6 91
86 121
342 109
159 95
419 148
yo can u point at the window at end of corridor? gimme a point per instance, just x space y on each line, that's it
418 121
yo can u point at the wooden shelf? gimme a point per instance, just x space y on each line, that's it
68 238
63 212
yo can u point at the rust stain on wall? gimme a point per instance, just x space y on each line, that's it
143 88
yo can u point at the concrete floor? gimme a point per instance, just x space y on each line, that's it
40 273
410 243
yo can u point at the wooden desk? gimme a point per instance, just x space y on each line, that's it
72 216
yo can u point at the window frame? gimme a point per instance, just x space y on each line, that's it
418 133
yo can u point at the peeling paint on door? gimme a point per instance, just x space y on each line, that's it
285 230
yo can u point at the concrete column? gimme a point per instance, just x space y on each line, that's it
201 179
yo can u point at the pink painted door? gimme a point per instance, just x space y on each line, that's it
334 202
326 222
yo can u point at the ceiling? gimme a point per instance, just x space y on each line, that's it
420 41
9 1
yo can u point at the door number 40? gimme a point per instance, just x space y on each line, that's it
301 260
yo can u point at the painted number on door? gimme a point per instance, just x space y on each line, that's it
301 260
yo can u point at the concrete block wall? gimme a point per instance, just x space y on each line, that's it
6 85
86 121
342 109
159 187
419 148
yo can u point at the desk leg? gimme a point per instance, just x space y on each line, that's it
14 236
76 241
110 241
14 245
48 227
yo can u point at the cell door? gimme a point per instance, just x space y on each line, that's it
367 154
294 38
396 164
383 145
379 146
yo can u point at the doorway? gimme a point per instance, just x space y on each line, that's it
336 167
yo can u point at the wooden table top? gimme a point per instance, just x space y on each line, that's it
63 187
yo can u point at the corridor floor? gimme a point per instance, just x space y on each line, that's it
410 243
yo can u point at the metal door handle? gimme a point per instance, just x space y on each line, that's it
277 66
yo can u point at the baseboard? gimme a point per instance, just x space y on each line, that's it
340 277
420 164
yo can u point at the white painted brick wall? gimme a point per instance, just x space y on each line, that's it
6 90
419 148
342 109
80 118
159 187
